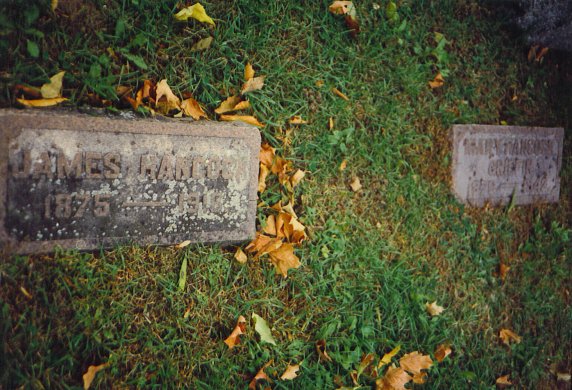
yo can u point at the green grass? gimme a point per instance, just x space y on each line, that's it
373 259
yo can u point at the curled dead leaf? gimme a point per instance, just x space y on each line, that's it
262 175
297 120
253 84
267 154
195 11
260 375
508 336
437 82
270 227
243 118
183 244
339 93
414 362
386 359
395 378
355 185
290 372
297 177
166 100
53 89
321 348
228 105
442 352
433 309
192 108
343 165
234 338
89 375
248 72
284 258
41 102
240 256
341 7
503 382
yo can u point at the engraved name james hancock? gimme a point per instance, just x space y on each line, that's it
79 181
496 163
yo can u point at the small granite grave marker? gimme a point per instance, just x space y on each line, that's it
494 163
85 182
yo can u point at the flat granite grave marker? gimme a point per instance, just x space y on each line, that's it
86 182
494 163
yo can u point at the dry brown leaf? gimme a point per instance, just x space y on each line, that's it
394 379
353 25
253 84
297 120
297 177
234 338
144 93
340 94
284 258
321 348
192 108
260 375
290 372
243 105
26 91
420 378
280 165
41 102
228 105
356 184
248 72
442 352
267 154
386 359
503 271
507 336
166 100
89 375
433 309
240 256
503 381
243 118
343 165
414 362
341 7
437 82
259 242
53 89
270 227
262 174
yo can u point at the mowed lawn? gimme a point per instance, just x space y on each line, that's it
373 258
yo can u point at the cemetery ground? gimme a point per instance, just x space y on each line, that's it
374 257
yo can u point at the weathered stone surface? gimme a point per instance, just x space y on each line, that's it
491 163
87 182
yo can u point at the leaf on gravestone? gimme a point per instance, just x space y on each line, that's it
339 93
503 382
284 259
321 348
433 309
234 338
166 100
89 375
414 362
240 256
262 174
437 82
260 375
508 336
183 244
253 84
395 378
41 102
248 72
195 11
183 275
355 185
386 359
297 177
192 108
290 372
203 44
242 118
442 352
267 154
261 327
53 89
270 227
228 105
297 120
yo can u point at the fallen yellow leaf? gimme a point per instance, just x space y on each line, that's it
243 118
53 89
290 372
437 82
386 359
192 108
442 352
248 72
228 105
270 227
267 154
297 177
343 165
253 84
420 378
234 338
243 105
340 94
195 11
183 244
262 175
331 123
166 100
433 309
414 362
260 375
89 375
41 102
240 256
321 348
507 336
284 259
395 378
503 381
297 120
356 184
341 7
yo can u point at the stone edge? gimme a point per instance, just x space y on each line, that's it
13 120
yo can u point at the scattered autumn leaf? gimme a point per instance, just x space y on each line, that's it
261 327
26 91
243 105
297 177
284 259
330 123
243 118
89 375
343 165
260 375
503 271
195 11
507 336
321 348
414 362
420 378
442 352
270 227
53 89
228 105
192 108
503 381
355 185
319 83
262 174
267 154
297 120
248 72
234 338
202 44
41 102
386 359
166 100
252 84
364 363
341 7
433 309
240 256
290 372
394 379
437 82
340 94
263 244
26 292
